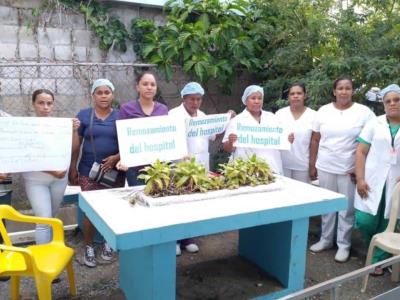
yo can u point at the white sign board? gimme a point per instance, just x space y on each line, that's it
35 144
206 126
144 140
272 137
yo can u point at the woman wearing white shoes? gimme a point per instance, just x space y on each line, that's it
335 130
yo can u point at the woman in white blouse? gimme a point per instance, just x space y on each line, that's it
298 119
253 98
332 154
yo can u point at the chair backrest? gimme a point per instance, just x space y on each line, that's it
4 214
394 210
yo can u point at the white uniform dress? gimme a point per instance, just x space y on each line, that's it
197 147
339 130
296 160
382 166
271 156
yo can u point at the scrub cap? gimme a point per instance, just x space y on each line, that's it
373 94
250 90
102 82
390 88
192 88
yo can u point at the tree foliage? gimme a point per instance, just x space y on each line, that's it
279 42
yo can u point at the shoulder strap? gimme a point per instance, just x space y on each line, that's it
91 133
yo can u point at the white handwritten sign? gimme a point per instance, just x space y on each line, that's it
35 144
142 141
272 137
206 126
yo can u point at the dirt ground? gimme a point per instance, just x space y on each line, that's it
216 272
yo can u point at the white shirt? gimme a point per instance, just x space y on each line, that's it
5 187
271 156
339 130
380 167
297 158
198 146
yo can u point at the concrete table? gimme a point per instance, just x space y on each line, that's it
273 229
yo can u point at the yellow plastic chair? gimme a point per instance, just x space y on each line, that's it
43 262
389 240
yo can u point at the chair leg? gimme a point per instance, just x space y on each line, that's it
71 279
396 272
14 286
367 263
43 287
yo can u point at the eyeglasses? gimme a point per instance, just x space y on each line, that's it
390 101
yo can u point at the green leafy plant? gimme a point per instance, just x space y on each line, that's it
157 178
208 39
163 179
189 176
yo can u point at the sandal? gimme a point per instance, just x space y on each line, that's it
378 272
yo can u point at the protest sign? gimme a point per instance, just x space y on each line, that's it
35 144
258 136
144 140
206 126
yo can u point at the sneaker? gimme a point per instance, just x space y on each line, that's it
178 249
192 248
89 258
320 246
342 255
106 252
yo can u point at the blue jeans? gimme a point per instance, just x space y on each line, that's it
132 174
45 193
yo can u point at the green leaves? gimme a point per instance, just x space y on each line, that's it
253 171
277 42
156 178
188 176
200 33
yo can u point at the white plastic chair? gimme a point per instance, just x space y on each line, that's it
388 240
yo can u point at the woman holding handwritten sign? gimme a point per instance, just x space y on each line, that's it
253 116
145 106
45 190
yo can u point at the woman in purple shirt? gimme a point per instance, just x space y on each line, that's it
145 106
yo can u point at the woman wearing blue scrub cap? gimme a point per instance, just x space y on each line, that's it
378 170
253 98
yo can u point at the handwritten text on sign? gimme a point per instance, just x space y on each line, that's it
206 126
142 141
272 137
35 144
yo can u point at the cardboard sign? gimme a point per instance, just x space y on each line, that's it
206 126
272 137
144 140
35 144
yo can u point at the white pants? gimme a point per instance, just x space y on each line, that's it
341 184
45 193
302 176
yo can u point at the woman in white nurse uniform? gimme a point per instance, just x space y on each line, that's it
253 98
378 170
298 119
335 130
